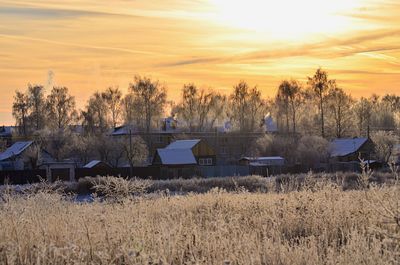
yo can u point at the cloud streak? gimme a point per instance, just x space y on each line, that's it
76 45
91 44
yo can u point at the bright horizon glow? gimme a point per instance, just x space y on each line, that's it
286 19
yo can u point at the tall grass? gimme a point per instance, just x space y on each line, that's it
318 223
289 182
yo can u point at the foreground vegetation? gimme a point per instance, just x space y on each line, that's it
312 223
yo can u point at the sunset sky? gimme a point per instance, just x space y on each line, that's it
92 44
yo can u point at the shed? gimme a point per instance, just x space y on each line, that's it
63 171
265 165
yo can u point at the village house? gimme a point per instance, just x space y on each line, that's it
180 158
351 149
16 157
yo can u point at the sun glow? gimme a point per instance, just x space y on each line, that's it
287 19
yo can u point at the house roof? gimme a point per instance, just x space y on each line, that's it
124 130
262 158
183 144
92 164
346 146
176 156
265 161
15 150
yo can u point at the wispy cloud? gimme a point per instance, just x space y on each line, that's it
91 47
189 62
94 43
42 13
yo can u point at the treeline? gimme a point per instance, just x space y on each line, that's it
318 107
322 107
307 115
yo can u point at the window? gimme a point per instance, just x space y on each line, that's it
205 161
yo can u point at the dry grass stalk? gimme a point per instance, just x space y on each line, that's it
319 226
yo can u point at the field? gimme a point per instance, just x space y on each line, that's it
315 223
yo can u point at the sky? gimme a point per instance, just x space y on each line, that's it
89 45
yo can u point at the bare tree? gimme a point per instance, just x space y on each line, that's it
81 148
217 109
20 111
246 106
203 108
384 143
57 143
288 98
188 106
273 145
339 104
393 101
61 108
200 109
37 105
117 152
150 97
383 112
312 150
113 99
136 151
32 156
239 104
320 83
131 110
363 111
95 115
256 108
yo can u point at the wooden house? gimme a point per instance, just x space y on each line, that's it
351 149
180 158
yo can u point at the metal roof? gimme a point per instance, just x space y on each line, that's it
92 163
346 146
176 156
183 144
15 150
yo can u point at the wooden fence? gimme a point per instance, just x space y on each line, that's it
19 177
